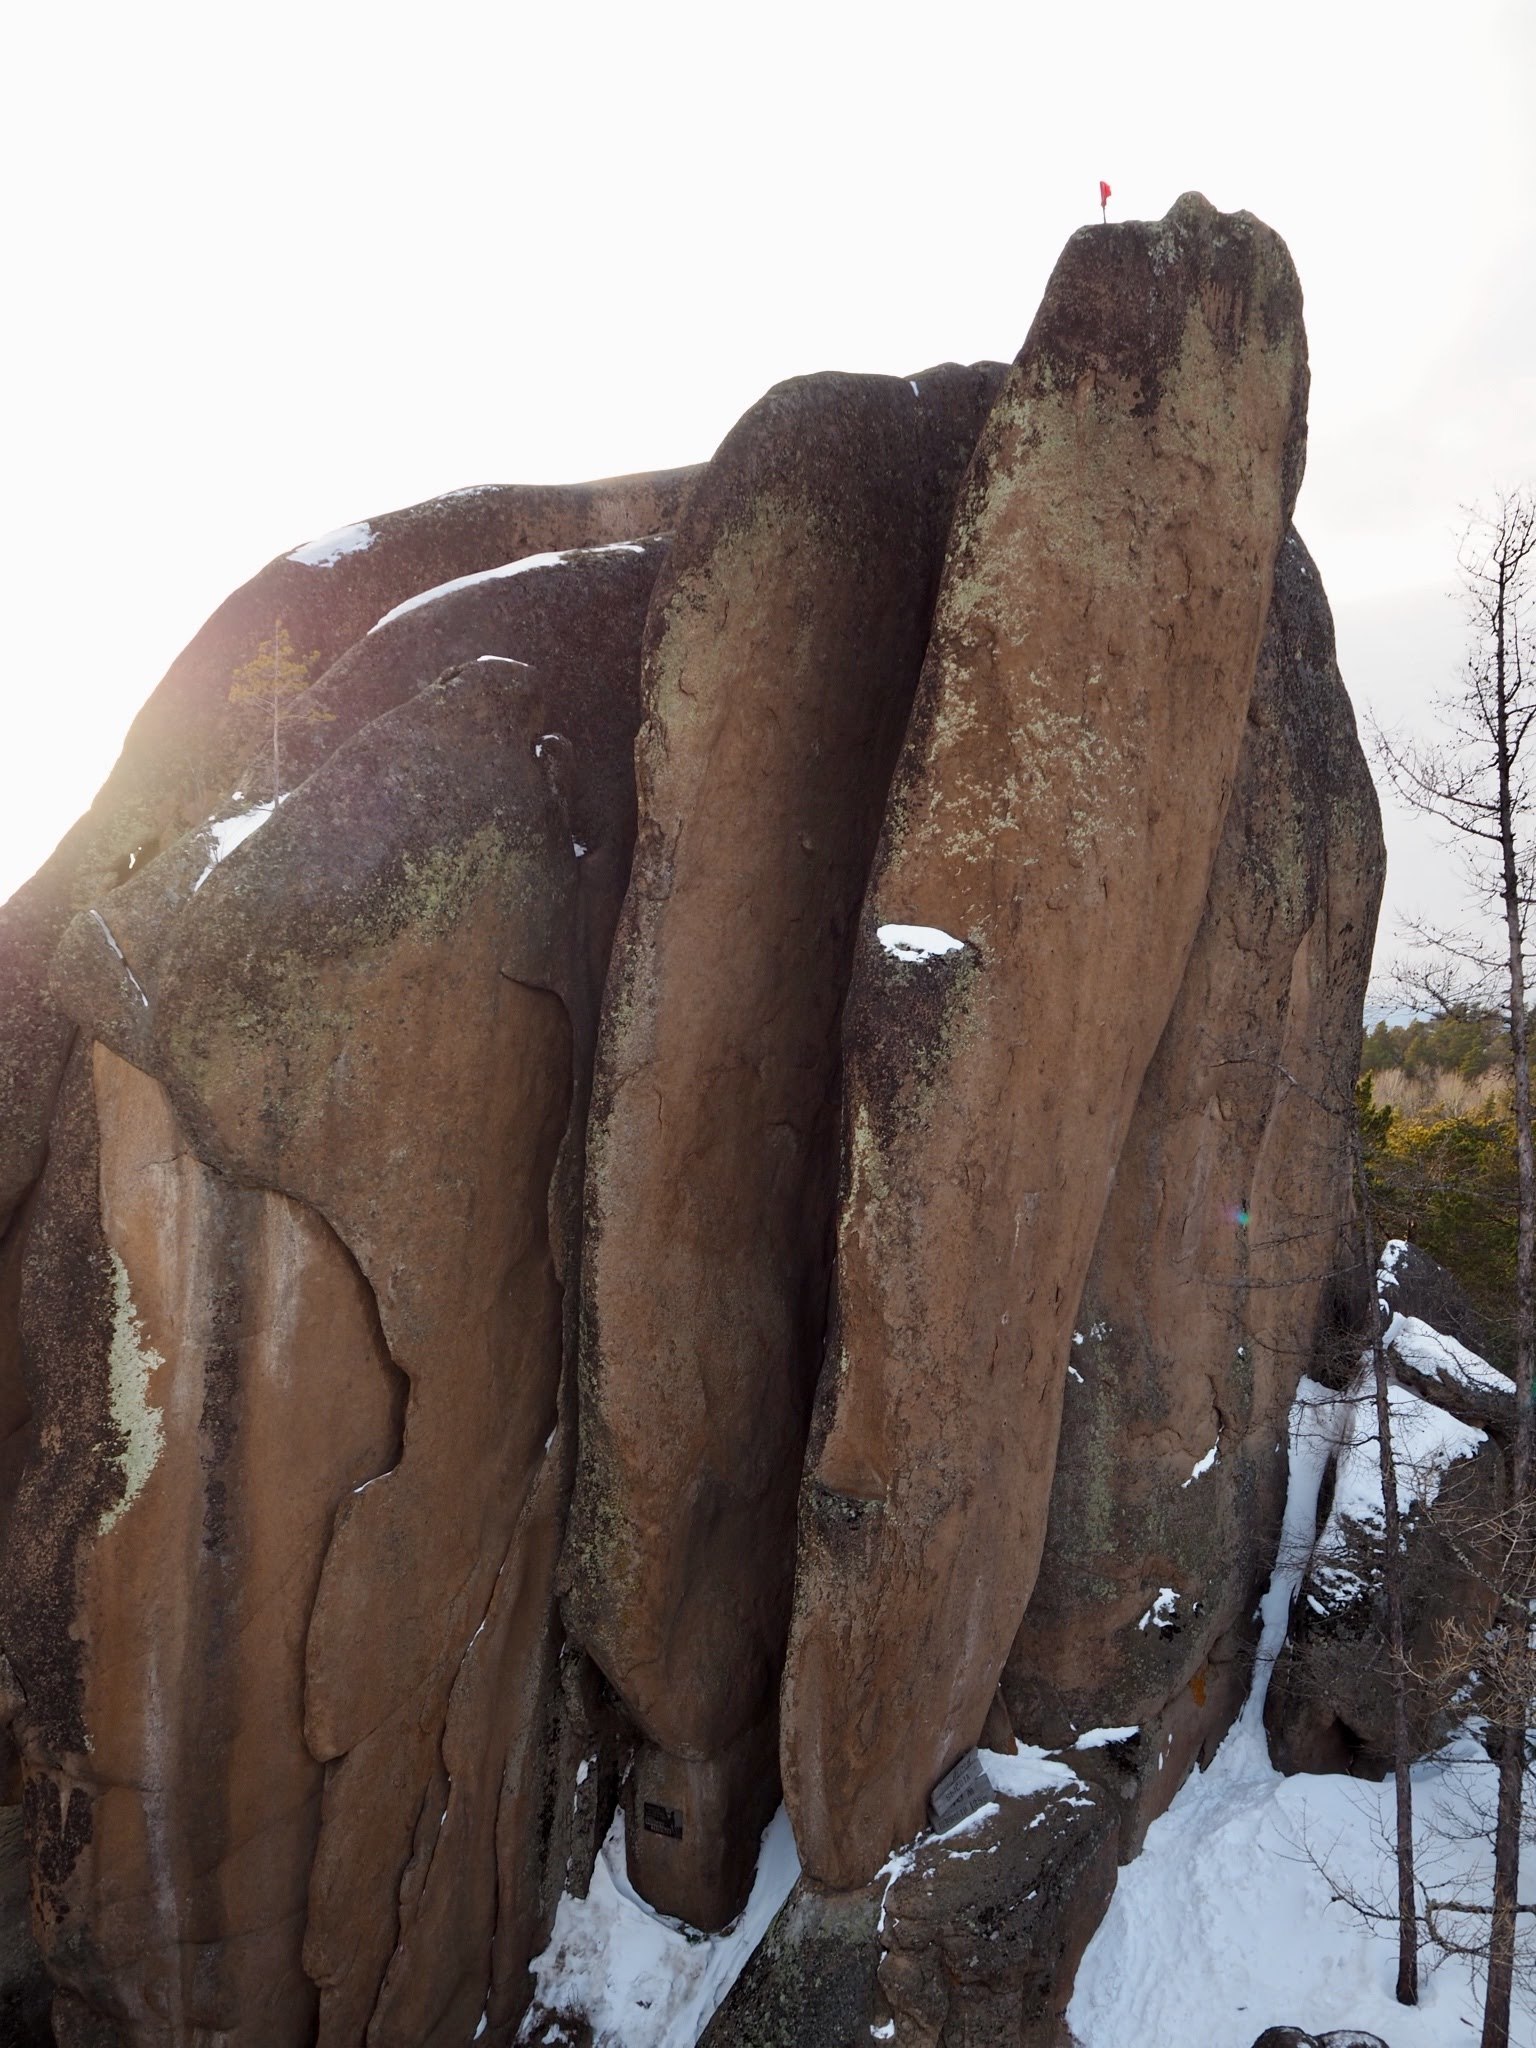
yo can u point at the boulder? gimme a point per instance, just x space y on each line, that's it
785 640
185 749
1211 1279
810 1982
1448 1374
1050 838
968 1939
377 1013
1294 2037
1411 1283
985 1928
247 1394
1329 1705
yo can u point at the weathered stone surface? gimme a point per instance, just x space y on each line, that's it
1141 1775
984 1932
370 1008
25 1993
1411 1283
248 1392
1329 1705
786 638
811 1980
1056 812
1231 1210
15 1402
328 605
185 747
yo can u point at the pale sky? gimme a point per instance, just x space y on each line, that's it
273 268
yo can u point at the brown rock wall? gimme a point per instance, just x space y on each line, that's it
403 1052
1229 1216
186 748
253 1391
785 640
1056 812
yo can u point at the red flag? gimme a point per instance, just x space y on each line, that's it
1103 193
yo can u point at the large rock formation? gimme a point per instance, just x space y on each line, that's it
395 1050
786 639
1169 1483
538 1273
1048 848
184 750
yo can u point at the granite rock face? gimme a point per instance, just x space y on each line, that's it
539 1273
786 638
185 749
346 1337
1053 824
1216 1271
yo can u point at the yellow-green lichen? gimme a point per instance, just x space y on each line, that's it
133 1359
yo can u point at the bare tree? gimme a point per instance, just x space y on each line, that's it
1392 1575
1477 780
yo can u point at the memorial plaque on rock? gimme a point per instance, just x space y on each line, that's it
662 1820
962 1791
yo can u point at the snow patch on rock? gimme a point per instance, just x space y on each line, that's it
330 547
521 567
225 834
640 1979
917 941
1437 1356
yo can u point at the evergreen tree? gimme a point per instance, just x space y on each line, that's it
273 683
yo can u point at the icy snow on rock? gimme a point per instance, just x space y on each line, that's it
330 547
1025 1771
917 941
1441 1357
1425 1442
138 987
1204 1465
1163 1612
1223 1926
1100 1738
520 567
225 834
642 1980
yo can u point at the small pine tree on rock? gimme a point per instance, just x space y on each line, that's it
273 684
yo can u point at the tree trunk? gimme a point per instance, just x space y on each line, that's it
1506 1839
1402 1778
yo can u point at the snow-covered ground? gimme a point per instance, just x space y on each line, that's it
1227 1921
1224 1926
642 1980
